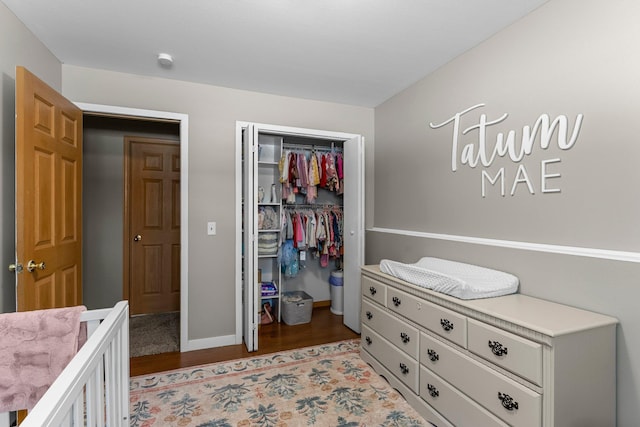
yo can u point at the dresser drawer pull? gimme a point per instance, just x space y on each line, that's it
433 391
446 325
404 337
433 356
372 290
396 301
507 401
404 369
369 315
497 348
368 340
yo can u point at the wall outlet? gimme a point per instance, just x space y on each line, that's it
211 228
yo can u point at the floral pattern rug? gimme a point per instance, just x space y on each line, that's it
326 385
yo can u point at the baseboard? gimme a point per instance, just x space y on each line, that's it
318 304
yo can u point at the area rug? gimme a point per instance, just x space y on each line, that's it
154 334
327 385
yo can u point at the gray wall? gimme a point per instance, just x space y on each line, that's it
102 203
18 46
213 112
568 57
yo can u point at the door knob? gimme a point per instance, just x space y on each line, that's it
15 268
137 238
32 265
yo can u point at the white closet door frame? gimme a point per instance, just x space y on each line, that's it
354 227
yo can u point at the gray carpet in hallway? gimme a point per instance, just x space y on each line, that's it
154 334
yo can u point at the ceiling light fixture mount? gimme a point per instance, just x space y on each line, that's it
165 60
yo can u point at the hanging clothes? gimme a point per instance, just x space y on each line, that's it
314 173
332 182
304 171
323 172
340 171
319 231
283 167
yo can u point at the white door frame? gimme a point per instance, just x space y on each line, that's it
183 120
282 130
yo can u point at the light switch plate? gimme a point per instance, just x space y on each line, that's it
211 228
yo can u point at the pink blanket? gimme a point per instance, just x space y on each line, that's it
35 346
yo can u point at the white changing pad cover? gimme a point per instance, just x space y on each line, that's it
464 281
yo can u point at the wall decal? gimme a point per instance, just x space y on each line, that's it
483 151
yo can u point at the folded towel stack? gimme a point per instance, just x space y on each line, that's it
268 243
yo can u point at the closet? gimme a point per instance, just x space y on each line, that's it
302 209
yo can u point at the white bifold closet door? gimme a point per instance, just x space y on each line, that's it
249 239
353 207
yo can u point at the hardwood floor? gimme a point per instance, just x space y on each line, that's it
324 327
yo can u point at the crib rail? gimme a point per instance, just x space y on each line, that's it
93 390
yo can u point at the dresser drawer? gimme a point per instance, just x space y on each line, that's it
403 336
375 290
452 404
514 353
512 402
399 363
439 320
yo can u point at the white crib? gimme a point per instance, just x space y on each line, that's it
93 390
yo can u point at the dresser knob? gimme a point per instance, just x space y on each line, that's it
446 325
507 401
396 301
404 337
369 315
433 391
404 369
372 290
497 348
368 340
433 356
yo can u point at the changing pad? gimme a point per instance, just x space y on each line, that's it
464 281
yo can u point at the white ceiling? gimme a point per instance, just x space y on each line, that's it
358 52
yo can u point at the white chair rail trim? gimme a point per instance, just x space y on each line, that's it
538 247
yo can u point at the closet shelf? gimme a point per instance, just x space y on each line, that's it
309 147
311 206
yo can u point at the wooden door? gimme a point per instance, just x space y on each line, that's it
48 196
152 230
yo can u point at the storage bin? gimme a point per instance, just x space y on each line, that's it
268 289
297 307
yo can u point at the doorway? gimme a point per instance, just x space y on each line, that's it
261 149
108 197
106 251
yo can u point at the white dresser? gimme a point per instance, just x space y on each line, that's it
507 361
